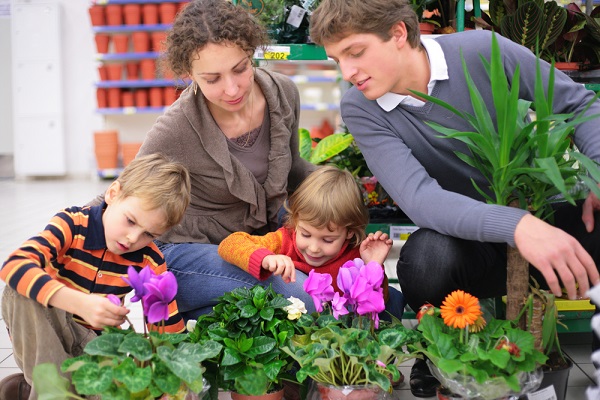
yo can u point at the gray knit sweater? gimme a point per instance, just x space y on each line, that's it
421 171
226 197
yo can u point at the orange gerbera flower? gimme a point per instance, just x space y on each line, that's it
460 309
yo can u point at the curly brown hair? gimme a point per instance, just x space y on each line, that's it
210 21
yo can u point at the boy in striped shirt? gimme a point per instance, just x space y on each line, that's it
57 282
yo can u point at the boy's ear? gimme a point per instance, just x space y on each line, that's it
112 192
399 33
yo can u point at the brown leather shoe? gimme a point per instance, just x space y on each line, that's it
14 387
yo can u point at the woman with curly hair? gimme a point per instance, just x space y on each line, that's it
235 128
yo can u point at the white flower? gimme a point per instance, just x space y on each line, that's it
296 309
191 324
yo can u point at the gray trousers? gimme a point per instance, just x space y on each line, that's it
40 334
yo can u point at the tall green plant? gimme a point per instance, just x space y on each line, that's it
525 161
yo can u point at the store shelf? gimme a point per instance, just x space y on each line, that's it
320 107
105 2
131 110
130 28
140 83
291 52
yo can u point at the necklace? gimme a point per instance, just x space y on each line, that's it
248 133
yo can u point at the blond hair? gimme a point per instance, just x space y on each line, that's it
160 182
329 196
335 19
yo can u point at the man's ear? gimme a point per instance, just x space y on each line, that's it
399 33
112 192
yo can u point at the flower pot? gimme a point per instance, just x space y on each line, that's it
129 151
97 15
102 98
158 40
127 98
133 70
106 149
141 98
426 28
169 95
141 42
558 377
148 68
114 72
103 72
269 396
114 97
114 14
166 12
155 97
150 14
102 41
567 66
121 43
329 392
132 14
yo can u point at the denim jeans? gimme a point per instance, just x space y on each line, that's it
202 276
432 265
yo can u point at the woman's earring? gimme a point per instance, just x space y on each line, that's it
195 85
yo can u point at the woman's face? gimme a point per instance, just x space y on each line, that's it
224 74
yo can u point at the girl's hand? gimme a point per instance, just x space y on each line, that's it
376 247
280 265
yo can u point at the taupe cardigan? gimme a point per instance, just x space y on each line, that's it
226 197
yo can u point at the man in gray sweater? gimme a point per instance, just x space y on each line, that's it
461 243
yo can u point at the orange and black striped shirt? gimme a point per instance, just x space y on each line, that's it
71 251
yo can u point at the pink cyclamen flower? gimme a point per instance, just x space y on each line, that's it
114 299
136 281
338 306
368 298
380 363
347 275
160 292
373 273
318 286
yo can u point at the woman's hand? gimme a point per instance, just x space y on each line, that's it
376 247
280 265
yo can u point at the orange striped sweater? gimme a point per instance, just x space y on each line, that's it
71 251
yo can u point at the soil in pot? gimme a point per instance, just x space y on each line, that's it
269 396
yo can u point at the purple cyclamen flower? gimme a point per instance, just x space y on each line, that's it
346 277
114 299
160 292
368 298
318 286
338 306
136 281
373 273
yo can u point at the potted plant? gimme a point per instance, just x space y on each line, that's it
474 358
343 346
124 364
252 325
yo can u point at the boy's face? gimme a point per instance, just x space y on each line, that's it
319 245
128 223
373 66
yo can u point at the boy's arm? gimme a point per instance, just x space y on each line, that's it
247 251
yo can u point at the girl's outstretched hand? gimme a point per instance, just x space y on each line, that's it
376 247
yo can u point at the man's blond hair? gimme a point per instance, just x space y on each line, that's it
329 196
160 183
335 19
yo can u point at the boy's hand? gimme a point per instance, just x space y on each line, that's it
376 247
280 265
100 312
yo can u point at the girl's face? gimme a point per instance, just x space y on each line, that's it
225 76
128 224
319 245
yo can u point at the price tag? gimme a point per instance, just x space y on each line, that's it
296 16
274 53
402 232
547 393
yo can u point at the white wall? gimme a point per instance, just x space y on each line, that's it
6 126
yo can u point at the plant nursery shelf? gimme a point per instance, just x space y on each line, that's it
291 52
320 107
131 110
105 2
130 28
126 56
141 83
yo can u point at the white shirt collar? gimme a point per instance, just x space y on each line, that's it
439 72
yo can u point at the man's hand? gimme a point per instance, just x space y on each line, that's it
375 247
280 265
590 205
556 254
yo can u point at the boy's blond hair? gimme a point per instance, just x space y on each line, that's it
329 196
160 182
335 19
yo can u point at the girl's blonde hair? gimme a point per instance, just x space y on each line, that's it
329 196
161 183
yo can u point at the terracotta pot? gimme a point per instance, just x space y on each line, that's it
167 12
114 97
133 70
103 72
102 42
114 14
141 98
102 98
158 41
169 95
426 28
141 42
106 149
129 151
150 14
269 396
127 98
567 66
155 97
328 392
148 68
121 43
115 72
97 15
181 6
132 14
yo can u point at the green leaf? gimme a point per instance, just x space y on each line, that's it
135 379
106 344
92 379
49 383
179 362
137 346
330 146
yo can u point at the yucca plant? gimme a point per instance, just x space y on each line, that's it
527 161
